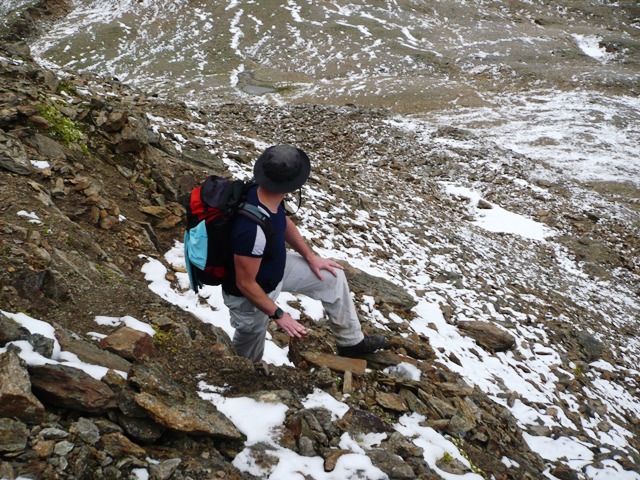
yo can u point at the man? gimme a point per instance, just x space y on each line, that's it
264 267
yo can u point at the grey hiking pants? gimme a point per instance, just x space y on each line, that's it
251 324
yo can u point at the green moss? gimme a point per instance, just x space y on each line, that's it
66 87
475 469
447 457
63 127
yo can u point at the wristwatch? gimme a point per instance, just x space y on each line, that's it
277 315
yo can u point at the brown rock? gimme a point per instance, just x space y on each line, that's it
391 401
383 290
16 399
347 384
169 222
88 352
363 421
13 435
10 331
117 445
115 121
129 343
70 388
341 364
192 417
158 212
438 408
108 222
44 448
488 335
331 458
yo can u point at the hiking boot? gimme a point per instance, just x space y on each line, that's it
369 344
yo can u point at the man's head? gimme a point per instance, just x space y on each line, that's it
282 169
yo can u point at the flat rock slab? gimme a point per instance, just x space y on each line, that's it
357 366
88 352
488 335
191 417
391 401
129 343
69 387
381 360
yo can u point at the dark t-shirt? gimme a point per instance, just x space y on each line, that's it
249 240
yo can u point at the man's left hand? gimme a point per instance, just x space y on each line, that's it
318 264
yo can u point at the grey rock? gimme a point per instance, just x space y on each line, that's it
306 447
47 147
52 433
16 399
141 429
10 331
88 352
488 335
381 289
42 345
13 156
391 464
591 348
164 470
63 448
13 435
86 430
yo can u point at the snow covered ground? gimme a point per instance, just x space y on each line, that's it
533 378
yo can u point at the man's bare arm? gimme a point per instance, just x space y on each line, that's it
246 272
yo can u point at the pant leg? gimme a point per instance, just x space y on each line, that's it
250 323
332 291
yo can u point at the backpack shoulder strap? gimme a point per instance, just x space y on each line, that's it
252 212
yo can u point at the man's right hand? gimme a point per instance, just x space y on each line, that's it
291 327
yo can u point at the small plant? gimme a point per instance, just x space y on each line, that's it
578 373
447 457
162 339
475 469
65 87
62 127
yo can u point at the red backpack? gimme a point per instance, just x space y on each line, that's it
211 209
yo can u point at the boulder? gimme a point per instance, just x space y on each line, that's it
391 464
192 416
129 343
391 401
363 421
488 336
47 147
13 435
381 289
16 399
69 387
88 352
10 331
171 406
13 156
340 364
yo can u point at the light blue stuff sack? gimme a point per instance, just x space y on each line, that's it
196 242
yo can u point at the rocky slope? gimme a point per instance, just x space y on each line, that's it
101 200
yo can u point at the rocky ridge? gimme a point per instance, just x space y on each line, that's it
116 165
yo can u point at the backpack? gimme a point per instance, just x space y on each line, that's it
211 208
